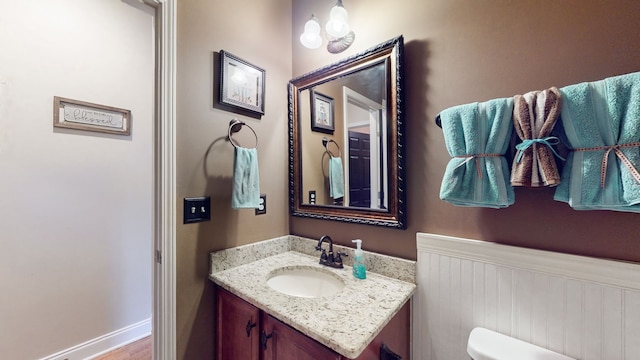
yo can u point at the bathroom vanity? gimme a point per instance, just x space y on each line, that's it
245 332
257 321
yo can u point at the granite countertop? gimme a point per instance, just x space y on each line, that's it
345 322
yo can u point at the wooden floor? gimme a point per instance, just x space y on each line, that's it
138 350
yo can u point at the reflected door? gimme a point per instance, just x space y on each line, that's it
359 169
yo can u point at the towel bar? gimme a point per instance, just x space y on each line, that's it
234 126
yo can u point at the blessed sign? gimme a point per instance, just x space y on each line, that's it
82 115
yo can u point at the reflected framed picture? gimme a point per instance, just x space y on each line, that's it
322 119
241 83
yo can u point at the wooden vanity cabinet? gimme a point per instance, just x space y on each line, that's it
286 343
245 332
237 328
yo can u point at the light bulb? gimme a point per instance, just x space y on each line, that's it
337 25
311 41
311 36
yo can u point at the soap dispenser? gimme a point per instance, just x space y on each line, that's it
359 269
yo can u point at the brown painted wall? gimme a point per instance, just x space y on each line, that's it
464 51
456 52
258 31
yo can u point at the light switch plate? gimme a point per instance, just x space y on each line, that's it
197 209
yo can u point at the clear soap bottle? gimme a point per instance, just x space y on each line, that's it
359 269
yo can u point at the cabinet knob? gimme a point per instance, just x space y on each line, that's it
387 354
264 338
249 327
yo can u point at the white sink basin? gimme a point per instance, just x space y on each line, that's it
307 282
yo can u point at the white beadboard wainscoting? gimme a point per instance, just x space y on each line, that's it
582 307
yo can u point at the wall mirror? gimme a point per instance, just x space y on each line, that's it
346 159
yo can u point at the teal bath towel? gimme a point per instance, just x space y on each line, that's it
246 179
601 121
336 178
477 136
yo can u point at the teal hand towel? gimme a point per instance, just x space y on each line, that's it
601 120
246 179
336 178
477 136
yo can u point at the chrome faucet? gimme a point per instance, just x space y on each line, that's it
329 259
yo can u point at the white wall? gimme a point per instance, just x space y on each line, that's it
75 207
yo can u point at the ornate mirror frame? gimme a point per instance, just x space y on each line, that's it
390 53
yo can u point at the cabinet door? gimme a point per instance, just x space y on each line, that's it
285 343
237 328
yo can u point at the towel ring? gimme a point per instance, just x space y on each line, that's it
234 126
324 173
326 142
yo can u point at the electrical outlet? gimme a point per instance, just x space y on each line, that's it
263 205
197 209
312 197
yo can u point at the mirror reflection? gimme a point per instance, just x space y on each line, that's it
346 166
345 137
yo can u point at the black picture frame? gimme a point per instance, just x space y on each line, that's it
322 113
242 84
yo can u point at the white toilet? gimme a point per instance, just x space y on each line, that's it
485 344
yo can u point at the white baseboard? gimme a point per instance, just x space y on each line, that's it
105 343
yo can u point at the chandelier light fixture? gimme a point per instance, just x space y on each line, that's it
339 34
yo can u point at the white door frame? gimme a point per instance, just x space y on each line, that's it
164 215
376 116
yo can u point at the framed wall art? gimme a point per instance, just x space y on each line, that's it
322 117
82 115
241 83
